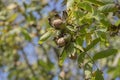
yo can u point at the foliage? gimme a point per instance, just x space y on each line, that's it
86 34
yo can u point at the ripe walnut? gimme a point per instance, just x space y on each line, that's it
62 39
58 24
61 42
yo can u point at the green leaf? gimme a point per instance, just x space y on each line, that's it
86 6
62 57
107 1
102 35
107 8
96 2
93 78
79 47
117 23
70 49
34 78
105 22
88 38
92 44
81 57
26 34
101 18
44 37
98 75
67 50
71 28
79 14
80 41
115 71
100 2
2 17
45 65
105 53
12 17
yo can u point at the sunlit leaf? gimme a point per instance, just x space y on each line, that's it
107 1
69 4
11 6
117 23
102 35
79 47
86 6
92 44
12 17
107 8
2 18
96 2
44 37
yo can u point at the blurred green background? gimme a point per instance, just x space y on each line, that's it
22 22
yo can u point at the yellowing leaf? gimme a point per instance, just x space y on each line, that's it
12 17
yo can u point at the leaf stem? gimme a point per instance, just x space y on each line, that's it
93 61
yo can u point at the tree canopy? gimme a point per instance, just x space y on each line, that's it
60 39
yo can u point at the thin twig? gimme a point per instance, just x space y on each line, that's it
27 63
92 60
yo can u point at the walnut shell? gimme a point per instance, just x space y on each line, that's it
61 42
58 24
